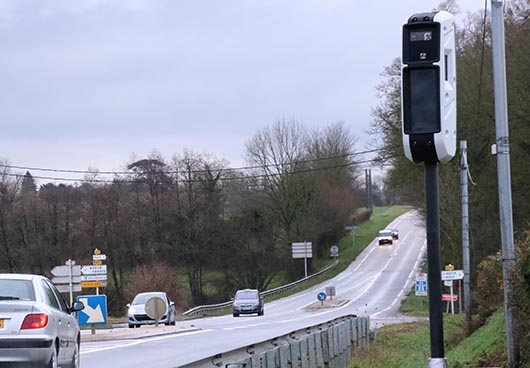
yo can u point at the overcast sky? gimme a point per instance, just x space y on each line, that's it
89 83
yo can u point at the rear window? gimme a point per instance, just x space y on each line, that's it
16 290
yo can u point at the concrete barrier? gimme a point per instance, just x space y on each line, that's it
332 344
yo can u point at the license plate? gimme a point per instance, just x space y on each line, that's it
1 323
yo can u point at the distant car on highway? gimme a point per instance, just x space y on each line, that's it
137 315
247 301
395 233
385 237
37 327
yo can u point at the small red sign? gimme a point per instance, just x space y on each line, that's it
447 297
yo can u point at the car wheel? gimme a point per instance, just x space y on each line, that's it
53 360
76 358
235 314
260 313
131 325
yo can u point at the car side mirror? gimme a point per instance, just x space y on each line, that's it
77 306
128 305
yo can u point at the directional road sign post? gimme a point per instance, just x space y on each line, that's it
67 278
303 250
95 311
452 275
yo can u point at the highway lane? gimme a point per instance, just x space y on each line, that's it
373 285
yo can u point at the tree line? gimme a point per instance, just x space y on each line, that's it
191 225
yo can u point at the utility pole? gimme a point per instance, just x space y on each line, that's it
370 205
465 235
503 172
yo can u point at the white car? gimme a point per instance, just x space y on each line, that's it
137 315
37 327
385 237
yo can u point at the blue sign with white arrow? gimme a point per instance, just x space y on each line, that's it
95 312
321 296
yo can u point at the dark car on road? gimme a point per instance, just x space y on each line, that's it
37 327
247 301
395 233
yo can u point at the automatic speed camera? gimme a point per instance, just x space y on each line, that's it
428 92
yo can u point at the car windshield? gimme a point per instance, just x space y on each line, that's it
385 233
143 298
16 290
247 294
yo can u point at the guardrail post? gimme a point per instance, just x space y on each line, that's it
304 353
285 353
295 352
272 358
311 348
319 349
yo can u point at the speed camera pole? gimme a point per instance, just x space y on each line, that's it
434 280
428 95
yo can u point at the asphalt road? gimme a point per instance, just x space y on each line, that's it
372 286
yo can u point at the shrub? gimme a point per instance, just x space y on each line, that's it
155 277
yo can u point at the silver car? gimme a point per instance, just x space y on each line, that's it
137 315
37 327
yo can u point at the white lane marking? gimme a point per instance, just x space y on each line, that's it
406 286
142 341
345 275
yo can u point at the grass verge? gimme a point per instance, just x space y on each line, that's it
407 345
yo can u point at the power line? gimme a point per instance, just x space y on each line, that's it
68 171
228 178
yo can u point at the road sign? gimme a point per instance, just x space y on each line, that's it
321 296
99 257
302 250
94 269
95 311
421 284
421 288
65 288
349 228
448 282
65 270
94 277
155 308
447 297
66 280
97 262
334 250
91 284
452 275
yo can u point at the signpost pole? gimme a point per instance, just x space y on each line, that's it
305 258
71 281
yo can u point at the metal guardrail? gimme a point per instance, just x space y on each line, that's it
280 289
330 344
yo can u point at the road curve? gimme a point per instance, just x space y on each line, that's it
373 285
